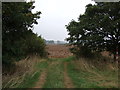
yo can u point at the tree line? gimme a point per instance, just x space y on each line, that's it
18 39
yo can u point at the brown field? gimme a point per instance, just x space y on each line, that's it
58 51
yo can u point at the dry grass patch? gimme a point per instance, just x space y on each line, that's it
87 73
23 69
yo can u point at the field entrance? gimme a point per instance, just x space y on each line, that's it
64 71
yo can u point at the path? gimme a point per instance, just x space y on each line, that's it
67 81
42 79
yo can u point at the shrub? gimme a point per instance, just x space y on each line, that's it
82 51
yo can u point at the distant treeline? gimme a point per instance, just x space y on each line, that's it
54 42
18 39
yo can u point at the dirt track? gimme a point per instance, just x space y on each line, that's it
41 80
67 80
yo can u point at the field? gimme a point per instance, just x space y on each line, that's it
63 70
58 51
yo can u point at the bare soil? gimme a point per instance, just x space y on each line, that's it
58 51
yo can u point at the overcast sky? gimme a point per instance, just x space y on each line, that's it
55 15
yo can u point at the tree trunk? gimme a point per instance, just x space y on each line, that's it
114 57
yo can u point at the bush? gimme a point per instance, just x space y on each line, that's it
31 44
36 46
82 51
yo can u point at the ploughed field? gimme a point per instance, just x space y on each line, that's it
58 51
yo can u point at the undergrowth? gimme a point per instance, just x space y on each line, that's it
86 74
27 74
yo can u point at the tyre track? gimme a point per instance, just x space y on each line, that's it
67 80
42 79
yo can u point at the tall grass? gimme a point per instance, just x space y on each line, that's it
25 76
91 74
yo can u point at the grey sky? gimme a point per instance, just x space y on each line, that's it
55 15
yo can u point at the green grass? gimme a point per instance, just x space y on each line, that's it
68 59
31 79
85 79
41 65
63 59
55 77
79 78
82 76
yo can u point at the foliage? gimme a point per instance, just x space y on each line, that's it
97 29
17 36
35 45
82 52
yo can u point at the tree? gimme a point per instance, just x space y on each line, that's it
18 20
35 45
98 28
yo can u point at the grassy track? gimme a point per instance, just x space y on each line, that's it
55 75
80 73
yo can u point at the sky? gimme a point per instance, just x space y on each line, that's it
55 15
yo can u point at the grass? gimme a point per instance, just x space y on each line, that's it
55 77
26 75
86 75
79 78
30 80
41 65
63 59
83 73
68 59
